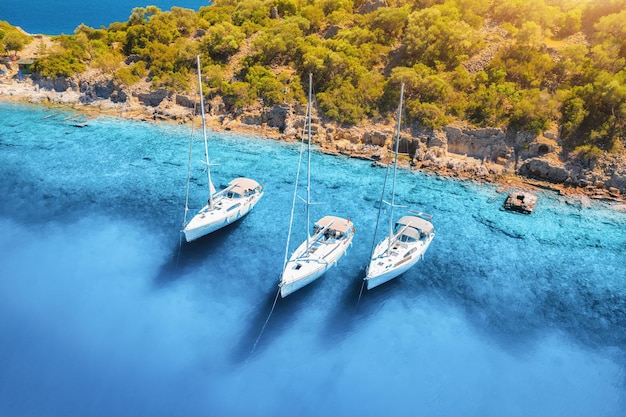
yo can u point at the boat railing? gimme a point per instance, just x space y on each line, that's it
394 205
422 215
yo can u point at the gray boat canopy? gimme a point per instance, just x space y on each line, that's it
336 223
417 223
241 185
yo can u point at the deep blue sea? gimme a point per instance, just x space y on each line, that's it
54 17
104 313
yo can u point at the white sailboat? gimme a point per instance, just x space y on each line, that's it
407 239
319 252
225 206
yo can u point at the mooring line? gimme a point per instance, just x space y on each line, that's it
180 244
360 292
256 342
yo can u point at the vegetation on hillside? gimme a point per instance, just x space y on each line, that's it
516 64
12 40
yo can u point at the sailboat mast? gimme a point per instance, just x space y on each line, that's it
308 180
206 146
395 165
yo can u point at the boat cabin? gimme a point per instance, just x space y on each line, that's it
413 228
333 227
242 187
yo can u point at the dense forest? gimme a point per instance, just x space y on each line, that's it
521 65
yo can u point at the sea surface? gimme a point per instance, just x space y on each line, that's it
54 17
105 312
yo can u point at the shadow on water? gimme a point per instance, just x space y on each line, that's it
516 318
186 255
351 311
256 338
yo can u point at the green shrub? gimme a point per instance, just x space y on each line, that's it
132 74
588 154
61 64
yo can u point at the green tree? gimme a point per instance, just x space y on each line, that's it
519 12
316 18
60 64
185 20
360 43
279 44
14 42
428 115
252 15
489 103
222 40
264 85
526 65
437 37
531 111
132 74
341 103
388 24
595 113
141 15
108 61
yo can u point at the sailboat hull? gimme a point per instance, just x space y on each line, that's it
386 265
303 281
225 211
311 260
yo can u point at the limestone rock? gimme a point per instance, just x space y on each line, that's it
377 138
617 181
58 84
439 139
546 169
184 101
154 98
277 117
483 143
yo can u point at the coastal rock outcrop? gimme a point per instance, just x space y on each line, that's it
102 89
58 84
489 143
545 169
153 98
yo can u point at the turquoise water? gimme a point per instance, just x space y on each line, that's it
101 314
53 17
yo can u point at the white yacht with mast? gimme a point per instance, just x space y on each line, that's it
406 240
225 206
330 240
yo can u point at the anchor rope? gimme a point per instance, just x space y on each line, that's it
360 293
256 342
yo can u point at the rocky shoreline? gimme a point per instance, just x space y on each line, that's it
485 155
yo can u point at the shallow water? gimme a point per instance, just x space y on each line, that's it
102 314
